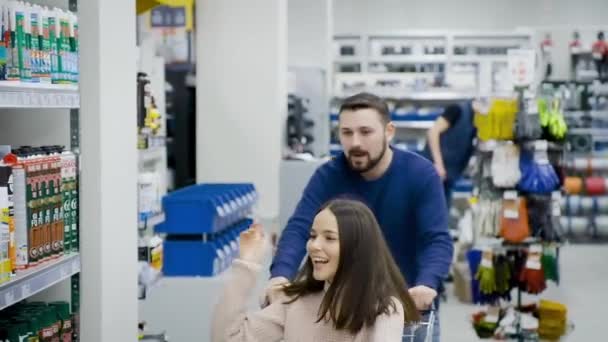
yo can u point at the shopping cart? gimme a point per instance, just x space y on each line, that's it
421 331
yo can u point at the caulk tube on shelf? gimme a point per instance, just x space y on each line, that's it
45 47
73 40
27 42
68 174
12 60
22 55
53 44
3 42
64 47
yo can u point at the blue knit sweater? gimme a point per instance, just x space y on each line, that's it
408 202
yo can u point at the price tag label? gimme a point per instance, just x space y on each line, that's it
486 263
492 314
510 195
26 291
75 267
557 209
541 145
511 214
9 298
536 249
533 264
64 272
532 107
521 66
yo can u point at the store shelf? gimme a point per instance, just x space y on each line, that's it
152 221
30 282
15 94
348 59
151 155
409 59
418 124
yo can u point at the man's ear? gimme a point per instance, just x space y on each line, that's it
390 131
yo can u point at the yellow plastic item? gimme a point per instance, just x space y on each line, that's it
498 123
552 319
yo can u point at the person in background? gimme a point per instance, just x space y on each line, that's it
349 289
546 48
575 47
600 54
402 189
450 144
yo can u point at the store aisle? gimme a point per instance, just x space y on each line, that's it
584 275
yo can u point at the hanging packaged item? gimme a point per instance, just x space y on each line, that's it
538 175
573 185
540 216
505 166
498 122
514 225
595 185
553 320
552 120
527 126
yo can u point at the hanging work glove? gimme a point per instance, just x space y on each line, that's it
514 226
502 273
485 274
537 175
505 166
557 123
549 261
532 275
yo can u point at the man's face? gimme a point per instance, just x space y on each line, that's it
364 138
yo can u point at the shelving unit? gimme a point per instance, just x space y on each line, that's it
37 279
424 56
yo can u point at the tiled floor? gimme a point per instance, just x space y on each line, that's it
583 288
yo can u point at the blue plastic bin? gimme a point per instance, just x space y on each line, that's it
206 208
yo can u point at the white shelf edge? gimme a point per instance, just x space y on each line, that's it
15 94
32 281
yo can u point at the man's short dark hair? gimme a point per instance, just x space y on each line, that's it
367 100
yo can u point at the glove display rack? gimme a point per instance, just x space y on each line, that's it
515 213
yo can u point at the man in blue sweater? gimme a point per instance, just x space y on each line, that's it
402 189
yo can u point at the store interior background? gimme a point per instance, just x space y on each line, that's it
222 91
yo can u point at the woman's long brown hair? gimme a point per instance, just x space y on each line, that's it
367 278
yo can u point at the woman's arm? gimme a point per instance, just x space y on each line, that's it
231 322
389 328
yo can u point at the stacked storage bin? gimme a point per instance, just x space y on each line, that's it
203 223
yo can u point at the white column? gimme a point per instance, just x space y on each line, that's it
310 27
108 200
241 93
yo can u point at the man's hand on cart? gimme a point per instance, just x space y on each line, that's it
423 296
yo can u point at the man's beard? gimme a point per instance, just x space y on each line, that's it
363 167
